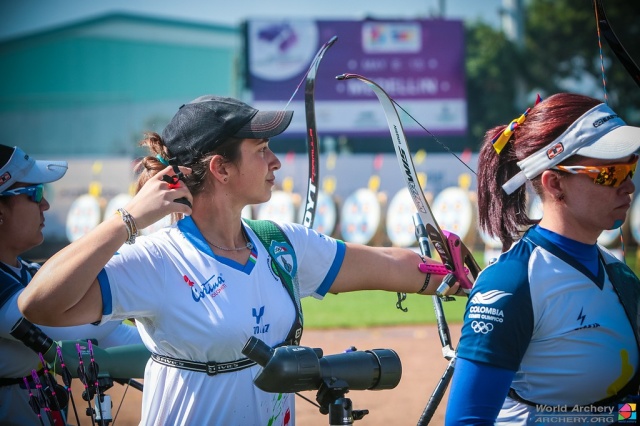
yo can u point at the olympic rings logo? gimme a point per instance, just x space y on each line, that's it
481 327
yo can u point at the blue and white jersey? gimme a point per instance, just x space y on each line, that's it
563 329
191 304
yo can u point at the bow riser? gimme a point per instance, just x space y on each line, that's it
312 136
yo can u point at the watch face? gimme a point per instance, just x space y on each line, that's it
326 216
84 215
279 208
360 217
400 227
453 211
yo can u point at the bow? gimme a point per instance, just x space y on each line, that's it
618 49
312 134
453 253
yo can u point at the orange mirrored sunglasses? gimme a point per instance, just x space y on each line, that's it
606 175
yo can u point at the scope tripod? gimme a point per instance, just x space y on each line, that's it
332 401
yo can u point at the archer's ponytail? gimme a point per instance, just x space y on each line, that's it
500 215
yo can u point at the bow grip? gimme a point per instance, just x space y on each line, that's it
461 257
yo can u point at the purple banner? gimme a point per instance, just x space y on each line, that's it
420 63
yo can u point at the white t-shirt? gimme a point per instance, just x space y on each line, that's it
190 304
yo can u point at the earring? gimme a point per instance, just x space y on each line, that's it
560 197
226 179
1 221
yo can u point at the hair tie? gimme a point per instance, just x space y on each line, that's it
502 138
162 160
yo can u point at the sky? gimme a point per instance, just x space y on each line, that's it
23 17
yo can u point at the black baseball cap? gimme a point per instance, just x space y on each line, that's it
201 125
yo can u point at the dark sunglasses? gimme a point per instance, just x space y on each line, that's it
35 192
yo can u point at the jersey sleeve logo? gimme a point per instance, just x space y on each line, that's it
283 254
488 298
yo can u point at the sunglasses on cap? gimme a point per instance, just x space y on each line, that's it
35 192
607 175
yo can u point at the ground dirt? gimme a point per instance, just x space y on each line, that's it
419 350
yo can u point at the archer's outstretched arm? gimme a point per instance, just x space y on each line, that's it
383 268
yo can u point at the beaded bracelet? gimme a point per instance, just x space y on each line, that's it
130 225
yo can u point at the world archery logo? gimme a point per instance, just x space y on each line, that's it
283 254
627 413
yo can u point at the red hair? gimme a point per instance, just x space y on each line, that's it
505 216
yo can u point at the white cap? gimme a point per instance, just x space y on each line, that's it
20 167
598 133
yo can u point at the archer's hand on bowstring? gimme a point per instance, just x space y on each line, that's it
163 194
66 291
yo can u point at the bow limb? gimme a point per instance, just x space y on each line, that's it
453 253
312 136
614 43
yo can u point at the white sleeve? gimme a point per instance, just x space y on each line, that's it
319 258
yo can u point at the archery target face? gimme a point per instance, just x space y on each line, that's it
279 208
115 203
84 215
360 217
535 207
326 214
453 211
400 227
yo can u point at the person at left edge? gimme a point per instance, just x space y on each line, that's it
22 207
201 288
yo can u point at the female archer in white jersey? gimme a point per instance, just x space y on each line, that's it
202 287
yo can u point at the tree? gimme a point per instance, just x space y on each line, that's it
492 66
562 54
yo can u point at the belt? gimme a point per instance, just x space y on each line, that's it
211 368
